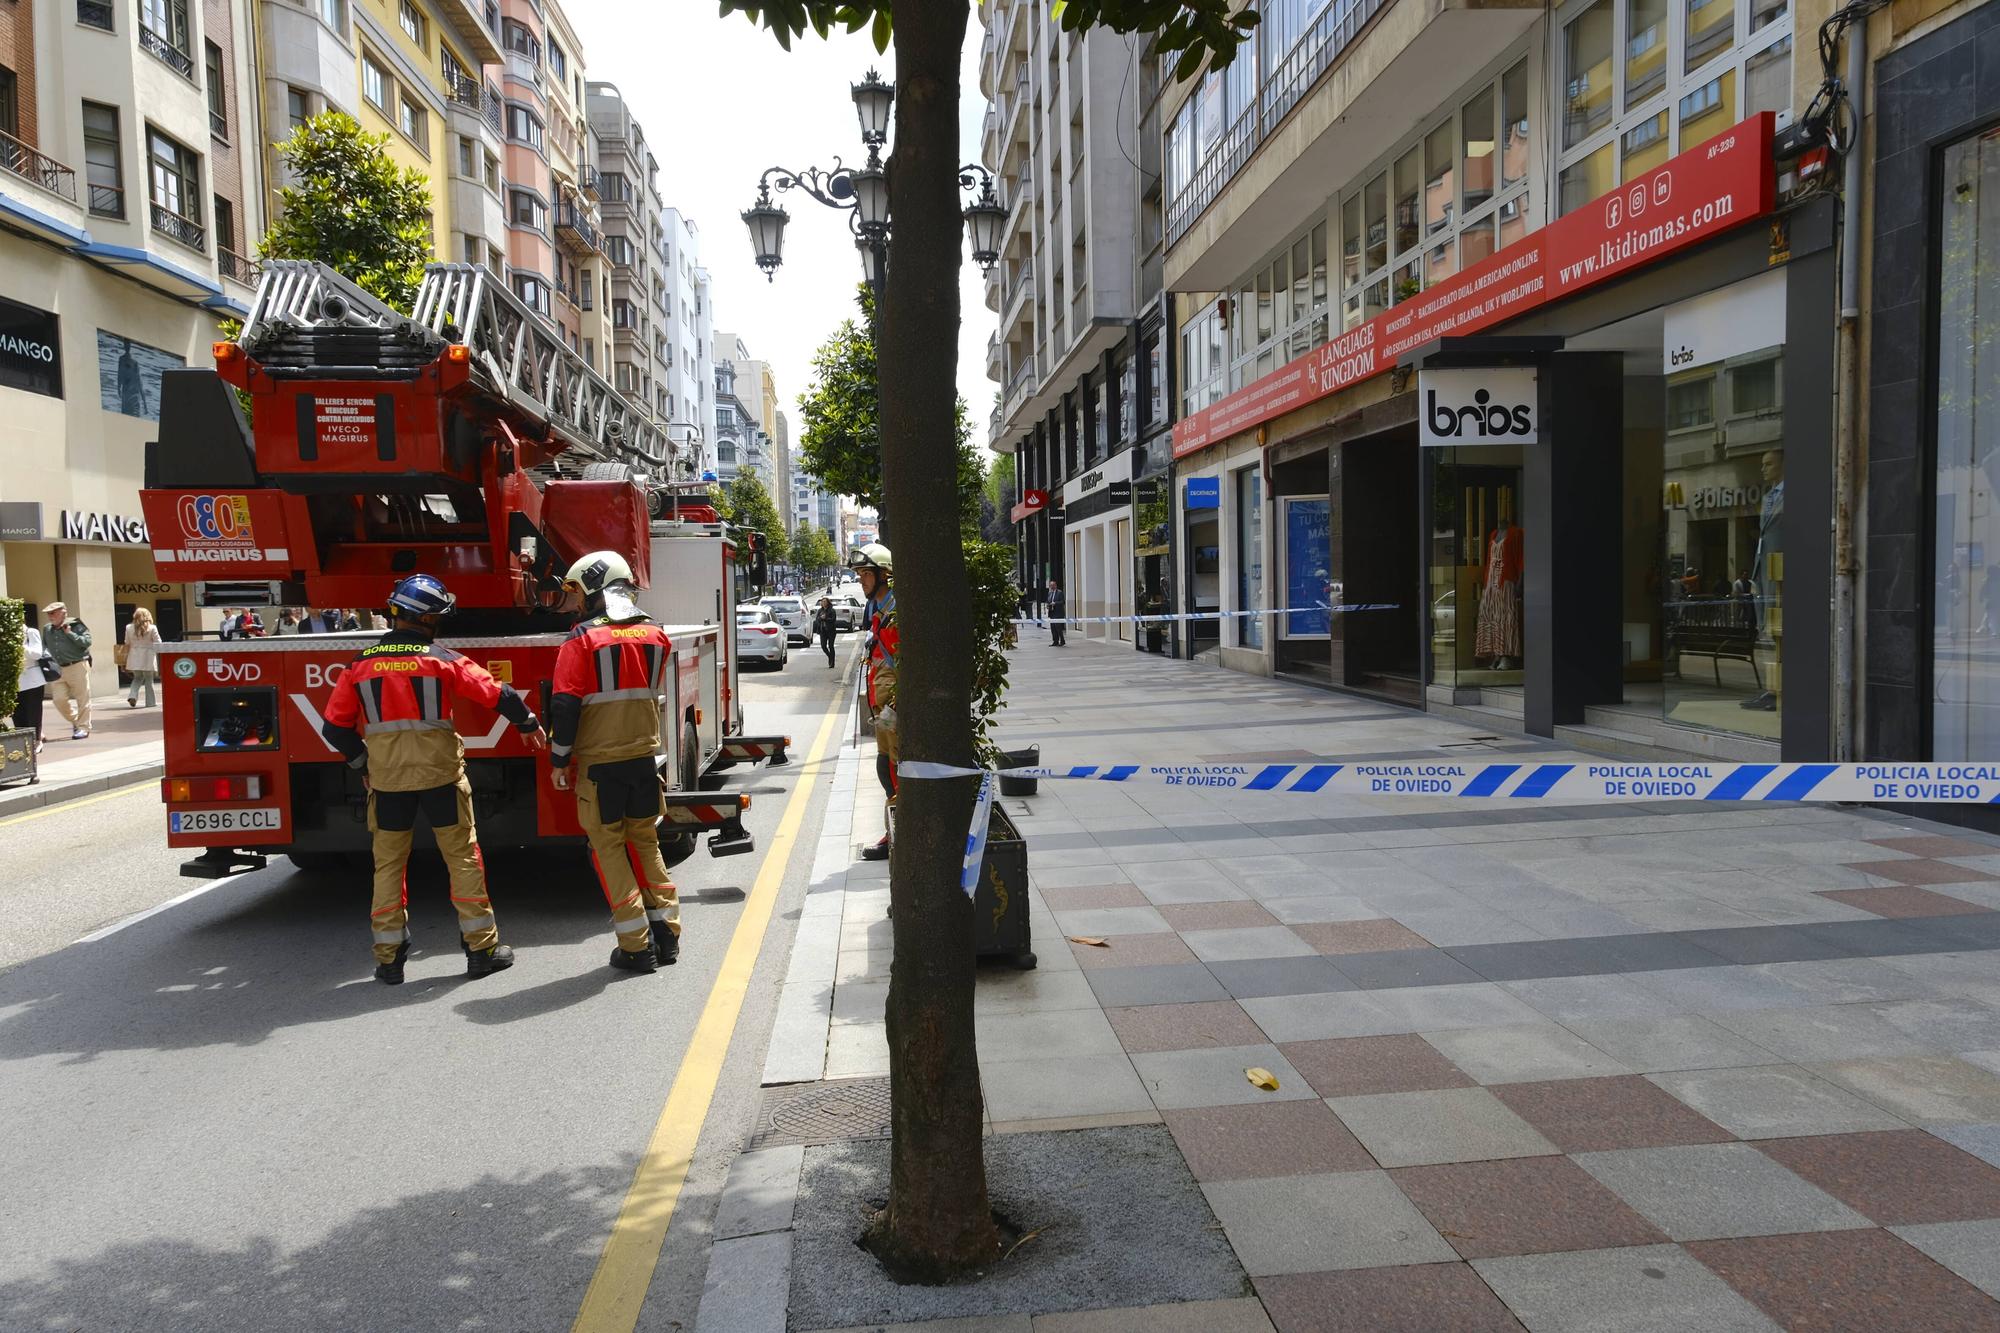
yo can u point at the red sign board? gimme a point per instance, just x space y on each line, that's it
1032 502
1705 191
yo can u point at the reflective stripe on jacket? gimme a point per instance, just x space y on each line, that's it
609 678
396 697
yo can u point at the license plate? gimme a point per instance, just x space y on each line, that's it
235 819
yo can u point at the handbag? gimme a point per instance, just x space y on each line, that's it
50 671
120 653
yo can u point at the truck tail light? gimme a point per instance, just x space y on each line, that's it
213 787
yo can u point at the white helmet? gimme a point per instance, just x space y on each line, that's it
595 572
873 556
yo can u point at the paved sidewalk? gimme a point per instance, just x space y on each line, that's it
1644 1067
124 746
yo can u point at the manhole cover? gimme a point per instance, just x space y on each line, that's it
829 1112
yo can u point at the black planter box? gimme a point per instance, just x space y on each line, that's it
17 756
1000 904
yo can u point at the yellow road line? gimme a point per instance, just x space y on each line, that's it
61 806
617 1289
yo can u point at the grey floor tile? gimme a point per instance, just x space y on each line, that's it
1212 889
1312 1017
1696 989
1449 1125
1069 1085
1112 921
1318 907
1876 938
1451 927
1530 959
1523 1053
1848 980
1821 1032
1237 945
1003 990
1004 1036
1950 1024
1924 1090
1156 983
1404 967
1982 1141
1052 876
1439 1008
1256 977
1969 1249
1764 944
1645 952
1584 999
1669 1042
1216 1076
860 1002
1717 1190
1643 1289
748 1281
1271 888
1688 914
1774 1102
1312 1224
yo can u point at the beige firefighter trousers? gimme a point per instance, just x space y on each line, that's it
458 843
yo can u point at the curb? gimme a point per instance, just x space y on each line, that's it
62 791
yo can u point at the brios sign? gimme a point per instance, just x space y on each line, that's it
1483 405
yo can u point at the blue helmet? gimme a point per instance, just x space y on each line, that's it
421 595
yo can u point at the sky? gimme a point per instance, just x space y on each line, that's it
720 101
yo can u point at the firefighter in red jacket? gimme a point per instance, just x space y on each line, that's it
874 567
390 715
605 719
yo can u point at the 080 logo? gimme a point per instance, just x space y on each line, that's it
217 518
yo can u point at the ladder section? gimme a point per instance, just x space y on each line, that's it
529 364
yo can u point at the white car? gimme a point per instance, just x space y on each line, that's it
760 638
848 611
792 614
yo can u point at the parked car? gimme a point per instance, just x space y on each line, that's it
792 614
848 611
760 638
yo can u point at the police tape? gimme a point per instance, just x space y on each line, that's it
975 839
1948 784
1346 608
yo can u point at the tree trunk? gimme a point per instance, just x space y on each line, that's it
939 1224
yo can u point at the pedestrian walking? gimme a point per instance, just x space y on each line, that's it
287 623
1058 625
875 567
67 640
825 627
142 657
390 715
35 677
605 720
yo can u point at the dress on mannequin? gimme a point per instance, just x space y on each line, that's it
1499 632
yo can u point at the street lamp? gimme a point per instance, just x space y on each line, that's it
863 193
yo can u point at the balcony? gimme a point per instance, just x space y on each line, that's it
37 168
1312 128
235 267
177 228
587 180
473 98
574 231
218 126
164 51
96 14
107 201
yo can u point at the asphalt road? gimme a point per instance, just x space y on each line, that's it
214 1119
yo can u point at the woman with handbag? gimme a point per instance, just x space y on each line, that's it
37 670
142 656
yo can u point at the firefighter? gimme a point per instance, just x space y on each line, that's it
605 716
875 568
390 714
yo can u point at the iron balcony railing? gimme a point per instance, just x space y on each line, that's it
234 266
36 167
162 49
107 201
177 228
95 14
586 180
1310 57
472 96
218 126
574 231
1023 376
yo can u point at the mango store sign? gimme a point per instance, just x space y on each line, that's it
109 529
1704 192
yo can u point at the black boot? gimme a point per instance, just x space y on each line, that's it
391 973
484 962
879 852
642 961
667 947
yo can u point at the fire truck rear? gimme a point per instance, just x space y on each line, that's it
464 440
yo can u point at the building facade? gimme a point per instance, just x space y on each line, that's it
129 194
1078 355
1585 221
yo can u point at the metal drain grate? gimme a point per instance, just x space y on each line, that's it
828 1112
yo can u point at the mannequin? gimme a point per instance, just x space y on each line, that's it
1499 631
1766 569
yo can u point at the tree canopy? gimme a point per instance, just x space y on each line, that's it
813 549
744 502
351 207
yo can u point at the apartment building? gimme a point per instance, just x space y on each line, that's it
1387 217
128 197
751 430
1072 134
683 334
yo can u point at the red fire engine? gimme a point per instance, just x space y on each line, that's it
464 440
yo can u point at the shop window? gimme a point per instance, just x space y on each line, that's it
1375 201
104 160
1248 488
1767 79
1477 556
1587 73
1709 109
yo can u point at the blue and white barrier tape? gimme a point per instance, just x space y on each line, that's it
1947 784
975 840
1346 608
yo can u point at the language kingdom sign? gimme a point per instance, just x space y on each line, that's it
1705 191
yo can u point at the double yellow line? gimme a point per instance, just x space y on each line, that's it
617 1290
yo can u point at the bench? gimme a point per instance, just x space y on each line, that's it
1715 628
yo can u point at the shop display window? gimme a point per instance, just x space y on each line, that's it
1478 554
1248 491
1965 561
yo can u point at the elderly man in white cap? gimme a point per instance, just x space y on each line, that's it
67 640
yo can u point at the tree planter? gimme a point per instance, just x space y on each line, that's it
17 756
1000 905
1028 758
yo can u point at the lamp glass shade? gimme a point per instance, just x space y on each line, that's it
873 261
767 234
871 195
983 222
872 102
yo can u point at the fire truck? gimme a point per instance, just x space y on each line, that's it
464 440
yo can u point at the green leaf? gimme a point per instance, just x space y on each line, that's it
882 30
